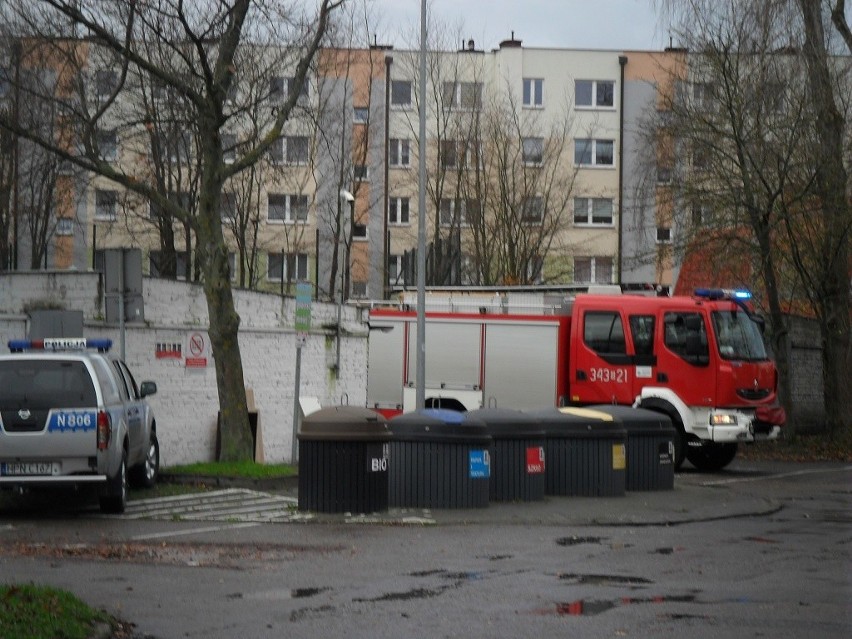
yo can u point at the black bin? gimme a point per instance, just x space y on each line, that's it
585 452
650 447
343 461
440 460
517 459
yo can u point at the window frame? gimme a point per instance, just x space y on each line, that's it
399 211
593 144
595 95
590 211
410 90
112 216
401 148
533 93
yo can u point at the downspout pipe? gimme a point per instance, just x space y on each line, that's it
622 62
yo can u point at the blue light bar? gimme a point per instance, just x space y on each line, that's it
59 344
723 294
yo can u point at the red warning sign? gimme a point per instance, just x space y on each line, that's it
196 351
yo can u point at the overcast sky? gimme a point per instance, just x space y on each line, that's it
570 24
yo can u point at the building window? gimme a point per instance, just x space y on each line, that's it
703 95
399 152
107 142
593 211
664 174
232 265
105 205
533 92
361 173
594 93
156 265
456 155
396 270
533 151
448 156
65 226
588 152
532 212
462 95
593 270
458 212
287 207
286 266
106 81
398 210
173 147
228 206
664 235
400 93
361 115
229 147
291 149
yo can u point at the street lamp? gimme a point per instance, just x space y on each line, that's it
347 197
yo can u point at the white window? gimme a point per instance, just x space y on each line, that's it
532 212
174 147
229 147
291 149
459 212
287 207
156 265
65 226
107 142
361 173
533 151
664 235
106 81
703 95
105 205
399 153
462 95
396 270
455 154
361 115
277 88
398 210
593 211
593 270
588 152
400 93
594 93
448 155
228 206
533 92
286 266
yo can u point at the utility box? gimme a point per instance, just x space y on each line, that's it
343 461
441 459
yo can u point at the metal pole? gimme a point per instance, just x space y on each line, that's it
121 300
385 230
421 224
294 453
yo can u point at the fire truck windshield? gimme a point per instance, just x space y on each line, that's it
738 336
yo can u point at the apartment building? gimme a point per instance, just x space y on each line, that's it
533 172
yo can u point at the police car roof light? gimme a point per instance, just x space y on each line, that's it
59 344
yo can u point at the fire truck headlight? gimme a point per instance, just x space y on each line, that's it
722 419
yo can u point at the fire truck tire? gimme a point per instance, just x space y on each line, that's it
711 456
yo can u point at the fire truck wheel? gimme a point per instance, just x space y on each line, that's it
711 457
679 444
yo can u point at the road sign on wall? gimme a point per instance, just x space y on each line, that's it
197 350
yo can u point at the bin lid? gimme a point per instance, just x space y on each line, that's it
425 426
344 423
575 423
639 420
507 423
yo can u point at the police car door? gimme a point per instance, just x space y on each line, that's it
134 410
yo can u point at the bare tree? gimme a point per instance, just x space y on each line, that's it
204 42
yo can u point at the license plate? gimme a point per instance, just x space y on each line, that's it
16 469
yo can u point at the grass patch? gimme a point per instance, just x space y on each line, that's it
803 448
244 470
40 612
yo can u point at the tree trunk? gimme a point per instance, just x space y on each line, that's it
831 186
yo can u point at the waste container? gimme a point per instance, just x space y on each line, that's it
441 459
585 452
343 461
650 447
517 458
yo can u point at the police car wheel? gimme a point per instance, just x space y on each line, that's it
114 501
145 474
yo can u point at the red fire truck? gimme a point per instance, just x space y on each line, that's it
701 360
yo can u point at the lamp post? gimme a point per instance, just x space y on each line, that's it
347 197
421 224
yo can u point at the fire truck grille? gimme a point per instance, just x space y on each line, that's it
752 393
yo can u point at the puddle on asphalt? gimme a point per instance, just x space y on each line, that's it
591 607
604 580
576 541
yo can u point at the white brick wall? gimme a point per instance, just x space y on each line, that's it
186 404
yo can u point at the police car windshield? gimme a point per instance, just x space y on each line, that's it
45 384
738 336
